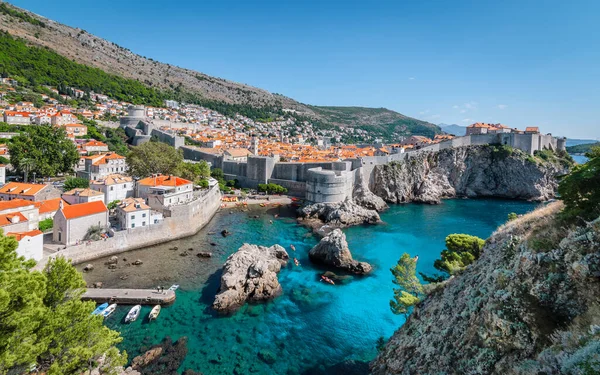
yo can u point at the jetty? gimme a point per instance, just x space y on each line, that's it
130 296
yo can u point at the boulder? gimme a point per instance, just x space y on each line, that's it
89 267
112 266
225 233
250 274
137 262
146 358
333 251
339 214
113 260
204 254
97 284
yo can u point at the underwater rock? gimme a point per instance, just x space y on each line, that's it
333 250
225 233
113 260
137 262
97 284
88 267
267 356
112 266
163 359
250 274
204 254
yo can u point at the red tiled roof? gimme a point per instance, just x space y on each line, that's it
162 180
22 188
83 209
15 203
19 235
50 205
7 219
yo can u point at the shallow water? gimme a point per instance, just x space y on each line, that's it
312 325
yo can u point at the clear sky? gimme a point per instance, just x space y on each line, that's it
522 63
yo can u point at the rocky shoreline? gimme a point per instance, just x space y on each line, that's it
333 251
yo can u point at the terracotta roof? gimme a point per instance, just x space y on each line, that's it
15 113
238 152
80 192
15 203
532 129
84 209
162 180
20 235
112 179
50 205
8 219
129 204
95 143
22 188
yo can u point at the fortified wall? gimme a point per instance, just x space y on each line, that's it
528 143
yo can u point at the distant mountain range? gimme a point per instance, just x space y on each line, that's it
457 130
216 93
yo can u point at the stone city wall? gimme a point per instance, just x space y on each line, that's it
193 153
184 221
324 186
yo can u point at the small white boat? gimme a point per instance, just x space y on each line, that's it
100 309
133 314
154 313
174 287
109 310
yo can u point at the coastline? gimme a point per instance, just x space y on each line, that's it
186 222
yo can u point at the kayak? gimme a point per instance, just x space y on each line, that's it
99 309
109 310
154 313
133 314
174 287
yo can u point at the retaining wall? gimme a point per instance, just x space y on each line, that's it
185 220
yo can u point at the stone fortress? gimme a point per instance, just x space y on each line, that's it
322 182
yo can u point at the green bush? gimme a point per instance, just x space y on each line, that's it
272 188
580 191
410 290
512 216
46 224
461 250
76 182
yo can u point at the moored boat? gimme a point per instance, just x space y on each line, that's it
174 287
154 313
100 309
133 314
293 247
109 310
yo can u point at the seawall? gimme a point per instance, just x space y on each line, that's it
182 221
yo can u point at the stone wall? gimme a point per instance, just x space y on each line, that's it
323 186
194 154
185 220
168 138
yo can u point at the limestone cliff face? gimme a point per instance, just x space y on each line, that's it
474 171
529 305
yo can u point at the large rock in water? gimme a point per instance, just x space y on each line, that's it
250 274
333 250
474 171
339 214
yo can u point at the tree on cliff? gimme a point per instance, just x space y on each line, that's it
194 171
580 190
153 157
461 250
410 290
43 150
43 322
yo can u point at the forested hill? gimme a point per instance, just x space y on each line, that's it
582 148
159 80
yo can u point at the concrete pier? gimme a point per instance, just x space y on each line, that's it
130 296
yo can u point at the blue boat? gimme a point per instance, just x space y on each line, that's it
100 309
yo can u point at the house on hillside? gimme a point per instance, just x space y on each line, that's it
27 209
72 223
17 118
237 154
80 195
100 166
116 187
76 130
135 213
93 146
31 244
162 191
30 192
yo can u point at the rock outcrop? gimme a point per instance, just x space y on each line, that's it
364 197
529 305
250 274
474 171
337 215
333 250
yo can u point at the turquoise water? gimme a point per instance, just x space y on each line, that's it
312 324
580 159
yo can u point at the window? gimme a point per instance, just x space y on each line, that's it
143 215
133 225
132 217
112 188
143 223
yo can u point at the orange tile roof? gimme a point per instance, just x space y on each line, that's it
532 129
15 203
50 205
7 219
20 235
95 143
22 188
84 209
129 204
81 192
162 180
112 179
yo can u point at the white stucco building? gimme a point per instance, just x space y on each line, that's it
162 191
100 166
116 187
80 195
71 223
135 213
31 244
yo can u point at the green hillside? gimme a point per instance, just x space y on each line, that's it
583 148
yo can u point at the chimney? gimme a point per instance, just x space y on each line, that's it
60 205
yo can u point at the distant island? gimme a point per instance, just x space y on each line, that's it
582 148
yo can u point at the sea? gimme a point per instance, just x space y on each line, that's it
313 325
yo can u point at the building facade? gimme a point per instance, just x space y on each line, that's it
116 187
72 223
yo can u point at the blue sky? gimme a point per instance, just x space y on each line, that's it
522 63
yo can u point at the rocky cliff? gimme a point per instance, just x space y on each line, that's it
473 171
529 305
333 251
